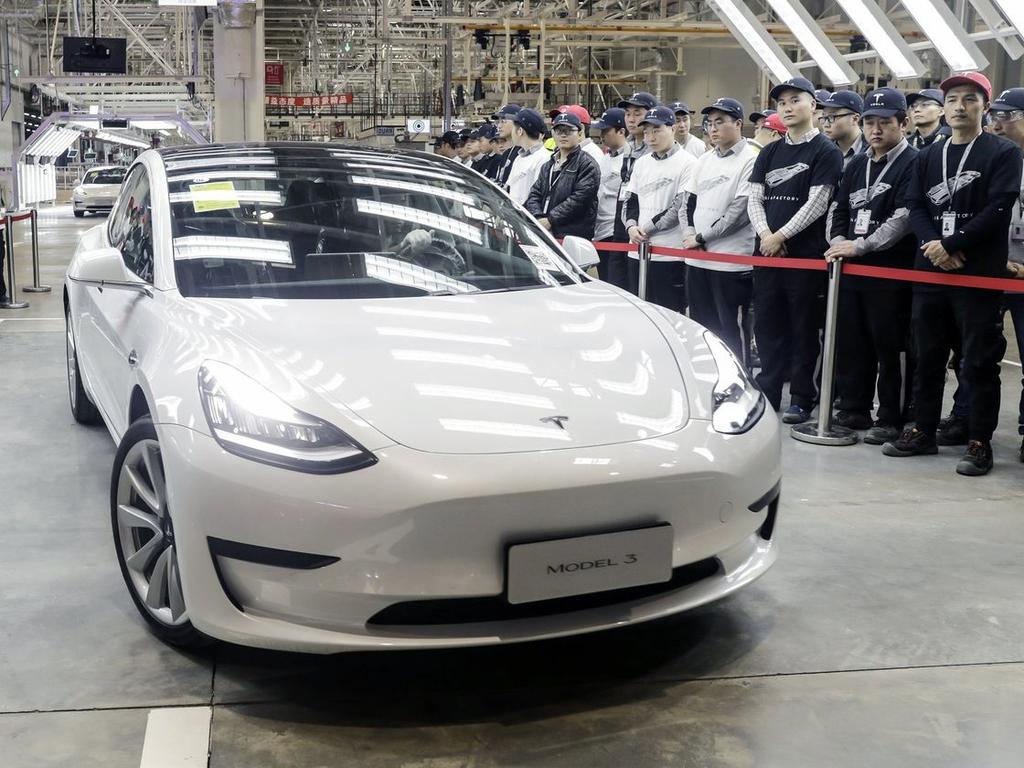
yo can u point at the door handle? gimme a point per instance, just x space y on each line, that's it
133 358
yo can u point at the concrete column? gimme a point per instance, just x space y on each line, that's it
238 71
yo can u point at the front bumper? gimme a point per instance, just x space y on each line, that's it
93 206
420 527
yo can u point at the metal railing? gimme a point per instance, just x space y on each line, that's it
12 273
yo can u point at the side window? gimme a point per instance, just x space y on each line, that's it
116 221
134 229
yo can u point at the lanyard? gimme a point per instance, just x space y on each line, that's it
959 170
867 174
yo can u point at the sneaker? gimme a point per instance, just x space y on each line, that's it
852 420
977 460
911 442
952 431
795 415
881 433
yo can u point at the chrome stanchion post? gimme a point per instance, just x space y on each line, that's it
36 286
644 257
824 432
12 286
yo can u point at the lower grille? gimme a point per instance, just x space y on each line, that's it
473 610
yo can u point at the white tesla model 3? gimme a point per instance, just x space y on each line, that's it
362 400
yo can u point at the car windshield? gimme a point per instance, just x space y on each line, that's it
327 222
105 176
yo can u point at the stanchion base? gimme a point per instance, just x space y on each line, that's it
808 433
15 305
36 289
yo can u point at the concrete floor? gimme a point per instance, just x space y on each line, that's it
890 633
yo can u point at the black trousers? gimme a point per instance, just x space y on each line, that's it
3 256
789 318
612 267
666 282
1014 304
874 322
717 300
938 315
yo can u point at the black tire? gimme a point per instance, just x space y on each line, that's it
183 635
82 408
79 214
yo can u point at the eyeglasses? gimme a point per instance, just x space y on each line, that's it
1006 116
829 119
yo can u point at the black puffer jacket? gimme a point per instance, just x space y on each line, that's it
571 203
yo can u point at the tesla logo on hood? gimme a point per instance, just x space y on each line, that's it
559 420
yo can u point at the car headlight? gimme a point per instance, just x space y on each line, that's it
249 420
738 402
77 192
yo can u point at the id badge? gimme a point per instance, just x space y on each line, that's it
948 223
623 193
863 223
1017 233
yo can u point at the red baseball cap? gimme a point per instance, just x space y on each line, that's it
774 123
572 109
976 79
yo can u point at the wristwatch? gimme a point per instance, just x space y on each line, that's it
700 240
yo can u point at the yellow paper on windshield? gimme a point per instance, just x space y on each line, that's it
214 196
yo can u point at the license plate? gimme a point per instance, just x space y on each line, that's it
565 567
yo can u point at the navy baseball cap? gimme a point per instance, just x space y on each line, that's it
928 93
681 108
755 116
506 112
821 95
794 84
614 117
567 118
884 102
530 120
487 131
448 137
639 99
729 106
1009 100
844 100
659 116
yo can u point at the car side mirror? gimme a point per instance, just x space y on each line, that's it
104 268
581 251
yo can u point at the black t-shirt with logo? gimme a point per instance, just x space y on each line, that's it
787 172
983 202
888 186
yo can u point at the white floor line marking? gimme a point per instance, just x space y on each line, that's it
30 319
1010 362
177 738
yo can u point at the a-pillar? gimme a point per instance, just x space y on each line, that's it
238 71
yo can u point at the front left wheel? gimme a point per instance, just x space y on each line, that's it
82 408
144 537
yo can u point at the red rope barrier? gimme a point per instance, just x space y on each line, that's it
852 268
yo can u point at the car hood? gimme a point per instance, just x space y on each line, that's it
468 374
99 190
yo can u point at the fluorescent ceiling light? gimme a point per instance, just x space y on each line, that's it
153 125
884 38
946 33
115 138
751 34
814 41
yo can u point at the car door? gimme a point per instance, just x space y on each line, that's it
121 317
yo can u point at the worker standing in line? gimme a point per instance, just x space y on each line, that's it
612 267
842 116
503 118
528 132
684 138
791 186
926 108
636 108
655 189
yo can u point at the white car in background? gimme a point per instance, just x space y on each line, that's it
363 401
97 190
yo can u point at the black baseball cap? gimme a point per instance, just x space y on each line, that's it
844 100
639 99
755 116
793 84
451 138
506 112
660 116
567 118
928 93
729 106
884 102
681 108
530 120
1009 100
613 117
